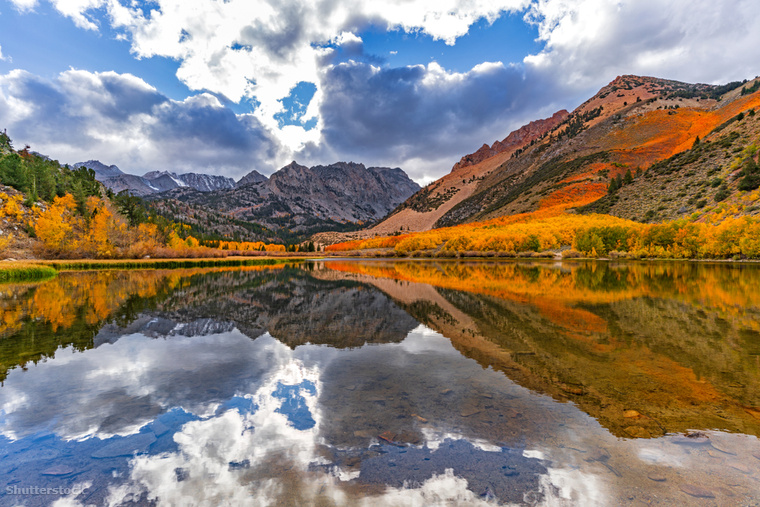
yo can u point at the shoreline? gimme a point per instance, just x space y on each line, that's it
32 270
38 270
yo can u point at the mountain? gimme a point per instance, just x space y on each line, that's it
673 149
165 180
155 181
250 178
304 199
102 171
627 131
421 211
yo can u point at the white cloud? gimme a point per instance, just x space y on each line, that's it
120 119
24 5
422 118
589 42
263 49
76 9
2 58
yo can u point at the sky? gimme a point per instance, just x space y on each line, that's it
229 86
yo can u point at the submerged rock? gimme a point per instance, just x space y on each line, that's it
696 491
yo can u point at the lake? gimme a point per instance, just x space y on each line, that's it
374 382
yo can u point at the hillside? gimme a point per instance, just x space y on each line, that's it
643 149
605 138
425 208
629 124
719 171
299 200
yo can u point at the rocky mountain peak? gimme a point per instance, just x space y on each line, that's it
251 178
349 166
306 199
152 175
515 140
101 170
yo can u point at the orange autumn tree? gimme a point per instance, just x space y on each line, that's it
107 233
59 227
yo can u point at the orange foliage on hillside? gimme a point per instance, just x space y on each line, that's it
662 133
646 138
575 194
593 172
101 232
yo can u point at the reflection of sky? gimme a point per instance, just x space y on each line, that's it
117 388
223 419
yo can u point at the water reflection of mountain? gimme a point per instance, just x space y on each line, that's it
85 310
294 308
644 351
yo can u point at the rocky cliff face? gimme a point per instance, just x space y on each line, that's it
345 190
303 199
250 178
165 180
516 139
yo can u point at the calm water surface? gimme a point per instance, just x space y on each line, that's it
383 383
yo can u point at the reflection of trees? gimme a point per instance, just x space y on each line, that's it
677 343
71 309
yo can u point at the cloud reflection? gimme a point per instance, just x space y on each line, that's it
117 388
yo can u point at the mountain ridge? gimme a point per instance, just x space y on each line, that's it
301 200
630 124
153 182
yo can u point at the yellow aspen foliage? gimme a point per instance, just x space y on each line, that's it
175 242
11 206
191 242
97 239
718 235
56 226
5 242
147 232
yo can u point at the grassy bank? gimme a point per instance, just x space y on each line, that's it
25 272
79 265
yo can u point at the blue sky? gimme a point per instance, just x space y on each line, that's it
45 43
227 87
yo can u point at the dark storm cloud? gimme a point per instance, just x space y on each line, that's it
120 119
209 133
420 111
